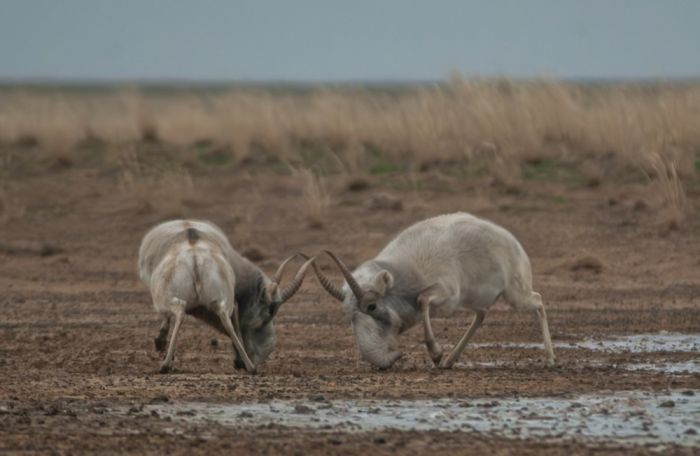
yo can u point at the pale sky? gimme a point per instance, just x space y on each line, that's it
352 40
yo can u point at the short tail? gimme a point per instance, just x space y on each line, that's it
192 235
192 238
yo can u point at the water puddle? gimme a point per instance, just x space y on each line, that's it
635 343
665 367
620 418
662 342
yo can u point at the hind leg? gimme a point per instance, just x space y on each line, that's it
533 301
179 313
161 339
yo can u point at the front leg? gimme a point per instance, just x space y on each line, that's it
434 348
237 344
235 318
161 339
457 350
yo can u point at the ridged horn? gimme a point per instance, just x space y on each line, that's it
354 286
334 291
277 278
295 284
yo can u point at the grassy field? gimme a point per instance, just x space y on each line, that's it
511 131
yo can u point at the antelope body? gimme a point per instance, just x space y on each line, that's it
191 268
435 266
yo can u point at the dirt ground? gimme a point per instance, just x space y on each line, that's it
77 327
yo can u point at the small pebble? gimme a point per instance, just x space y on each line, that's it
303 409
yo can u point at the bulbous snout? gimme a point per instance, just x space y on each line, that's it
376 341
259 344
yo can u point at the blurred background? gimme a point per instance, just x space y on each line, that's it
587 91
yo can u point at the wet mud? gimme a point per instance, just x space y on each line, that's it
79 373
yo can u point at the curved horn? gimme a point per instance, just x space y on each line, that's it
295 284
280 271
354 286
334 291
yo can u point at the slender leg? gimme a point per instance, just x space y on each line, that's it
166 365
478 319
236 320
237 362
549 352
161 339
434 348
237 345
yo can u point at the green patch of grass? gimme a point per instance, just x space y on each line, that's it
203 144
542 170
323 161
378 169
697 165
559 199
404 183
21 163
462 169
475 170
90 153
216 157
380 163
553 170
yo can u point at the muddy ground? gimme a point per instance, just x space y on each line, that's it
77 327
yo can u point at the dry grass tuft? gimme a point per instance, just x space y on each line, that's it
663 164
315 194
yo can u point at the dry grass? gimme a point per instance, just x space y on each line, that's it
522 121
315 195
502 123
665 178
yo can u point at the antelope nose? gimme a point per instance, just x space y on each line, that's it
393 357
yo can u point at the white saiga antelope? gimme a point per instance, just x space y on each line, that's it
191 268
435 266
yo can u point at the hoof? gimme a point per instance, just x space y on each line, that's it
165 368
238 364
160 344
436 355
443 365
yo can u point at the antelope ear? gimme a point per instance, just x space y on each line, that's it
383 282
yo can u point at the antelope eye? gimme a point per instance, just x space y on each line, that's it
372 307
